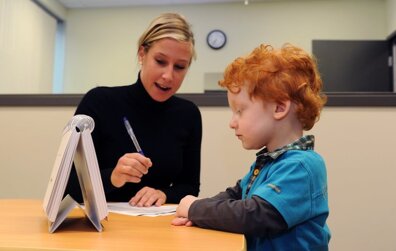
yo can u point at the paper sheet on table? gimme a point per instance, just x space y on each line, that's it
127 209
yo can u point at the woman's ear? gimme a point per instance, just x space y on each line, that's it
141 54
282 109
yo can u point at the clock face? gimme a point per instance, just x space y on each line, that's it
216 39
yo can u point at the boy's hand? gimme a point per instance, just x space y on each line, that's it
184 206
181 218
181 221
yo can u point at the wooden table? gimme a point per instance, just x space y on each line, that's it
25 227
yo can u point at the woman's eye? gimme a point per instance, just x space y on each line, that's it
160 62
180 67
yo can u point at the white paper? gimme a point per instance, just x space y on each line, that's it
127 209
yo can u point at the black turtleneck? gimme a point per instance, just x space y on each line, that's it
169 133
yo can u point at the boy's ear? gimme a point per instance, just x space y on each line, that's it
282 109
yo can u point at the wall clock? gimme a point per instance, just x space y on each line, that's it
216 39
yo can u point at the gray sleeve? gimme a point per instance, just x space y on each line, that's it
253 216
234 192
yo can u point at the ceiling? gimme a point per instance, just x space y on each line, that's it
120 3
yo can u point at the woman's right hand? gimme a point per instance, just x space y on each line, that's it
130 168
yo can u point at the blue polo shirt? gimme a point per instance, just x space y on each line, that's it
295 183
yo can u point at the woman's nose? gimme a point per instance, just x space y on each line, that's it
168 73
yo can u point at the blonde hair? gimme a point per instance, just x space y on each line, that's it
168 25
288 73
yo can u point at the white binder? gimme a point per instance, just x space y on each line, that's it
76 145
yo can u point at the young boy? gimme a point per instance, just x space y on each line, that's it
281 204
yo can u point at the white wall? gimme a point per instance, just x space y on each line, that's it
101 43
27 39
55 7
358 145
100 46
391 15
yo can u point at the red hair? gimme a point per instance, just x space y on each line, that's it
288 73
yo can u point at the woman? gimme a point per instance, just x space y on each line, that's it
168 128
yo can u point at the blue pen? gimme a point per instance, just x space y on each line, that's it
133 137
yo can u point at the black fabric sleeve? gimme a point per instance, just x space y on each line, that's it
188 180
224 212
